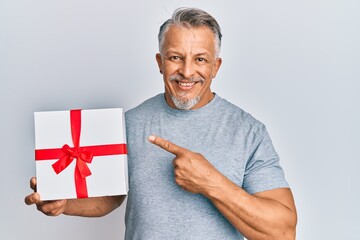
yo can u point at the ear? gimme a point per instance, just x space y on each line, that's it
216 68
159 62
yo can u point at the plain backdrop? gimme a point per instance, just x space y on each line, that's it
294 65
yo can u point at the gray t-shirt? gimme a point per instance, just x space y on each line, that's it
232 140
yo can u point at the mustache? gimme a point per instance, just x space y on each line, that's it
180 77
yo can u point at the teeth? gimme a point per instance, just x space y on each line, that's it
186 84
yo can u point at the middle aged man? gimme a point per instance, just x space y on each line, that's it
234 188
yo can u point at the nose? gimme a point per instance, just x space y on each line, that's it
187 68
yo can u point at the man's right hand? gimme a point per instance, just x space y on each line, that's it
49 208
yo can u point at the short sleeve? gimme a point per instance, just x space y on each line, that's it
263 171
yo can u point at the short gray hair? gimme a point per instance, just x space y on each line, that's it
191 17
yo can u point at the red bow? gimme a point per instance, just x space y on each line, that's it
82 157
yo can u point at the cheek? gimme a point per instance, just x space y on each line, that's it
170 67
207 73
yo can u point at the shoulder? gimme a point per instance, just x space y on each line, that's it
145 107
239 116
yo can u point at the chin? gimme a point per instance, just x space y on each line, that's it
185 104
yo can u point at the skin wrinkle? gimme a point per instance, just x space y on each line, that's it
185 104
190 28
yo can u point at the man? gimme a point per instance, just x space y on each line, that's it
213 173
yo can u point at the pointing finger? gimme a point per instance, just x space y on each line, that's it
166 145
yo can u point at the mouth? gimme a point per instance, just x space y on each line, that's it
185 84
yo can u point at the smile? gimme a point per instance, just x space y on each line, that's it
185 84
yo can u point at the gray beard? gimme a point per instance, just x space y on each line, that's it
185 104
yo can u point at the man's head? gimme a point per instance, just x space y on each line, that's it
189 45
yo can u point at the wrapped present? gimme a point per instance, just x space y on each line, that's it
80 153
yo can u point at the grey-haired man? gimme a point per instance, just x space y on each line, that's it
199 167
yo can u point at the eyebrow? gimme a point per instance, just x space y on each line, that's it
202 53
172 52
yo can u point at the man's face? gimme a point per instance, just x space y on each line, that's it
188 64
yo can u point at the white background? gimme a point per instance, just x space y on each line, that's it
295 65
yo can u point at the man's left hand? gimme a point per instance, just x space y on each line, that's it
193 172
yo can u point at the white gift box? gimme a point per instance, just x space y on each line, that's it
97 132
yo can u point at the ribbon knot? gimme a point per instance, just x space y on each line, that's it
82 157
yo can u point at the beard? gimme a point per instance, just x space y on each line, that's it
183 103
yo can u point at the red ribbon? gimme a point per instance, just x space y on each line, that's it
83 155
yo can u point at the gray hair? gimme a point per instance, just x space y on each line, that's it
191 17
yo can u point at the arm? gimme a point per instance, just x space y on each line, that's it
266 215
85 207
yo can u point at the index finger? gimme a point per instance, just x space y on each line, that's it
167 145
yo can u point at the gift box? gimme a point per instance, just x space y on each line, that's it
80 153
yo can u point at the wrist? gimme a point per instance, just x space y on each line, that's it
221 188
67 208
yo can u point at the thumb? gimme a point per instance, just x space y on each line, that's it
33 198
33 183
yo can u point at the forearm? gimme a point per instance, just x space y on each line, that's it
254 216
92 207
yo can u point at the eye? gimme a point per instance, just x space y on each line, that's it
175 58
200 59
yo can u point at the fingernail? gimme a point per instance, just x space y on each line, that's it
151 138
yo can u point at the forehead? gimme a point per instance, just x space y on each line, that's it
194 37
